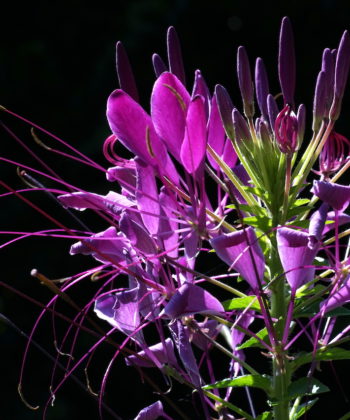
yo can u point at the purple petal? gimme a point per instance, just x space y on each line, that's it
167 226
158 65
185 351
216 133
125 75
169 103
336 195
194 144
342 220
152 412
229 156
137 235
295 256
317 224
262 87
342 66
163 354
339 298
245 82
175 56
106 246
190 299
147 196
126 177
210 328
286 62
112 202
120 310
237 249
134 128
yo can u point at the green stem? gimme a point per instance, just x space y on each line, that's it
287 187
280 368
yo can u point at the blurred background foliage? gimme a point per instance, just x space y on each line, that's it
57 69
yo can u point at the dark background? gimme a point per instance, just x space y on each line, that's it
57 69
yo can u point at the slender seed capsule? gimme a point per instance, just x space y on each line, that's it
261 87
245 82
286 62
342 66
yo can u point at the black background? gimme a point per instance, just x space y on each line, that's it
57 69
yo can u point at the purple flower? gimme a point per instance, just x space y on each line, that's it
241 251
296 256
190 299
336 195
152 412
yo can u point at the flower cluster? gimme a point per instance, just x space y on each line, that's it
205 179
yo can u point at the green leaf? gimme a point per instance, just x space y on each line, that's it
300 223
242 303
310 291
253 342
314 309
263 223
303 408
306 386
257 381
300 202
295 211
266 415
333 353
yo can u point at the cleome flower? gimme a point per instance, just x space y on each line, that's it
207 182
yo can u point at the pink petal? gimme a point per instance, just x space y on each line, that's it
169 104
195 141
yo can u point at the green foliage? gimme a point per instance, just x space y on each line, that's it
242 303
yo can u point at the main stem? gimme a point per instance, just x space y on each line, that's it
280 370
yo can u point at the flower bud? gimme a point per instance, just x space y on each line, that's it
286 130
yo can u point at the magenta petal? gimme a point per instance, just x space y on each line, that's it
164 354
210 327
137 235
167 225
200 88
151 412
336 195
169 104
194 144
185 351
339 298
190 299
317 223
112 202
233 249
296 256
125 75
147 196
120 310
134 128
216 133
106 246
342 220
